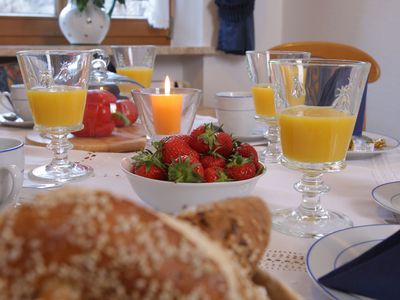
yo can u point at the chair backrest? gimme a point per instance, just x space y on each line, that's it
332 50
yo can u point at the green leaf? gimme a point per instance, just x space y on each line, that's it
81 4
125 120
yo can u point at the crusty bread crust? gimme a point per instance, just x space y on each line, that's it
242 225
85 244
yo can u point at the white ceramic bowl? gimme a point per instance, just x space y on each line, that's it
171 197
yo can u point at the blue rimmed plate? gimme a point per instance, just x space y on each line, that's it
388 196
339 247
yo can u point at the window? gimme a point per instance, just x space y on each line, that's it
35 22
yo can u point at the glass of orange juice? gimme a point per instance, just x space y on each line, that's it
56 83
263 95
135 62
316 109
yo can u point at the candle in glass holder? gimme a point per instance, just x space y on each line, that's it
167 110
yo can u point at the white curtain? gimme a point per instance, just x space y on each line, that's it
157 13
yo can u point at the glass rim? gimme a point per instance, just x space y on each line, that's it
319 62
156 91
277 52
132 46
59 51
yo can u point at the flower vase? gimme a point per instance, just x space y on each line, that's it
89 26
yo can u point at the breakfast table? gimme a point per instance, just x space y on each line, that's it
285 256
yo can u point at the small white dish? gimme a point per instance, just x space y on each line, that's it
339 247
388 196
18 122
391 144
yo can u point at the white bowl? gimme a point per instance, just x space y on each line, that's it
171 197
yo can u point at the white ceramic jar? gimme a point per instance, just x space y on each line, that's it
87 27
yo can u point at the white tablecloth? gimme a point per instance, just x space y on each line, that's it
285 257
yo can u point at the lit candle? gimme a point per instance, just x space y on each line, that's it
167 110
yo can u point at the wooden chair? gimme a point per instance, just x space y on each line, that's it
322 49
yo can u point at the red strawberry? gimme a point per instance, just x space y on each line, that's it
174 147
185 168
240 168
247 150
223 144
151 171
148 165
215 174
202 139
184 137
212 161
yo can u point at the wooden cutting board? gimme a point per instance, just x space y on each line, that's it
126 139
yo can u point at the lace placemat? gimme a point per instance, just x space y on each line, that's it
282 260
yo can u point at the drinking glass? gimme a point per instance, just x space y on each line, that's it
135 62
263 96
56 84
317 102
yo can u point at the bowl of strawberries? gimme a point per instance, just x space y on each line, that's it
187 170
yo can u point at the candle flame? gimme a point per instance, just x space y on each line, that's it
167 86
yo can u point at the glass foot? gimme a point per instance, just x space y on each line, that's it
292 222
72 171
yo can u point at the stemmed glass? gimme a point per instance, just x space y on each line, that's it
263 95
317 103
56 83
135 62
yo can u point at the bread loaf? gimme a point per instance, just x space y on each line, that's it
242 225
85 244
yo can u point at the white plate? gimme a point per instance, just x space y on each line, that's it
17 123
388 196
337 248
391 144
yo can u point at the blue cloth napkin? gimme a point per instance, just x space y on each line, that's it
375 273
236 26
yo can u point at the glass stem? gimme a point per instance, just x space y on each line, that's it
311 186
274 141
59 145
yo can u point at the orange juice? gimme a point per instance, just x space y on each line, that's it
263 97
142 75
314 134
59 106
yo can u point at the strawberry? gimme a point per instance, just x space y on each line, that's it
247 150
184 137
215 174
185 168
148 165
223 144
212 161
174 147
240 168
202 139
151 171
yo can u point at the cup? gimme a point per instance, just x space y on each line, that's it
11 169
17 101
235 112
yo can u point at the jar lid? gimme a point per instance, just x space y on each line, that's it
100 76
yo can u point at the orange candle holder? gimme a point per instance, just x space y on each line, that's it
165 112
